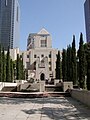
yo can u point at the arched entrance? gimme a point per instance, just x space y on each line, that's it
42 76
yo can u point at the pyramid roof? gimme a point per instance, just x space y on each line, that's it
43 31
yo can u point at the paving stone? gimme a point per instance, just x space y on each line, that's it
43 109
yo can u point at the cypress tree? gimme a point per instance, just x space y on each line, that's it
74 68
8 70
77 59
64 65
81 55
22 69
12 70
0 63
69 63
58 66
3 66
18 74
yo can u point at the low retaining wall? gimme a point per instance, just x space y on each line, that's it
7 84
81 95
39 86
49 88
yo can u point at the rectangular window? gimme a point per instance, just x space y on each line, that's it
49 55
34 65
27 56
43 43
35 56
50 69
50 63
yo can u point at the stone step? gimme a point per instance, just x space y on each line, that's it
34 94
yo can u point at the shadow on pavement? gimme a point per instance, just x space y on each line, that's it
54 108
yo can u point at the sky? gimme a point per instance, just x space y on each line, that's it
61 18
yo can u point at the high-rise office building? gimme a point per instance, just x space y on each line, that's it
9 23
87 19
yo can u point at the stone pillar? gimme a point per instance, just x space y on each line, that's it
42 86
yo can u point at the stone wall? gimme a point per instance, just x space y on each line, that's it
7 84
39 86
67 85
81 95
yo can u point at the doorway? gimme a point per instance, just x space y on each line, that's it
42 76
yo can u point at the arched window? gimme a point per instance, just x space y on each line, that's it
42 76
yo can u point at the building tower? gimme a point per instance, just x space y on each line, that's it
87 19
41 58
9 23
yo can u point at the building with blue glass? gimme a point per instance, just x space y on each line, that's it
9 23
87 19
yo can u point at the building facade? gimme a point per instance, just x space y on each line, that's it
87 19
41 57
9 23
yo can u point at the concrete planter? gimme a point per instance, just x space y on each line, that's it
67 85
81 95
39 86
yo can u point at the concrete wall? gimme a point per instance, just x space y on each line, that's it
1 85
81 95
13 53
50 63
50 88
56 81
42 35
67 85
39 86
5 84
25 59
40 70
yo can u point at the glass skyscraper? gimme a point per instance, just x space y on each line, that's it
9 23
87 19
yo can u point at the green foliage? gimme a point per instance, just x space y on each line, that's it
74 67
22 69
64 65
69 63
18 67
3 66
81 55
12 70
58 66
8 69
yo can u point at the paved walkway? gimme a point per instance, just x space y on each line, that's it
43 109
